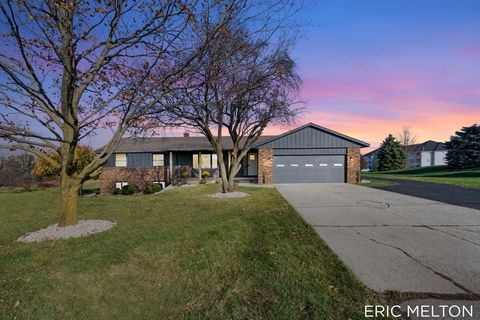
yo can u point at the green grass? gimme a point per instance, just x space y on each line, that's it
437 174
378 183
174 255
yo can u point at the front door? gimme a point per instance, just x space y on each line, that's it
252 164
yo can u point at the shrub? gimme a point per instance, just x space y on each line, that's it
152 188
116 191
129 189
205 174
180 175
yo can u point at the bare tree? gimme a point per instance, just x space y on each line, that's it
71 67
406 136
244 82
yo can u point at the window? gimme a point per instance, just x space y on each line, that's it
120 160
158 160
206 158
252 157
195 161
209 161
214 161
120 184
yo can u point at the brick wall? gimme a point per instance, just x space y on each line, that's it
265 166
353 165
138 176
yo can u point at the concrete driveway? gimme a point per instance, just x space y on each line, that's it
393 241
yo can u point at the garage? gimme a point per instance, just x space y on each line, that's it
309 169
309 154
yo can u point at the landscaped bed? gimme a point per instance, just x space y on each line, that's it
437 174
174 255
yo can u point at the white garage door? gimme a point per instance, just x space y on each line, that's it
298 169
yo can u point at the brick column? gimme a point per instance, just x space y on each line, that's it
353 165
265 166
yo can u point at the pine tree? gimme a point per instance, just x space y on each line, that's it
463 149
391 155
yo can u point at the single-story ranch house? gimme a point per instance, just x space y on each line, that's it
309 153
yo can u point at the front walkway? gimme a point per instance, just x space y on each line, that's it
393 241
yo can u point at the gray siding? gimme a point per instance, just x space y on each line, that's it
110 161
139 160
181 159
134 160
145 159
310 151
310 137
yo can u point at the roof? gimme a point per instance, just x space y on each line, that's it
158 144
429 145
370 153
316 126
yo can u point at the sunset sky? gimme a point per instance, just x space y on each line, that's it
371 67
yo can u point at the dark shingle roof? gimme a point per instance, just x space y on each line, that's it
157 144
370 153
426 146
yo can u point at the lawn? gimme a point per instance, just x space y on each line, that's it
438 174
174 255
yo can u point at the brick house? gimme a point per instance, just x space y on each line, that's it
307 154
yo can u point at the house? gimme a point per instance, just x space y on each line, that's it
370 159
309 153
429 153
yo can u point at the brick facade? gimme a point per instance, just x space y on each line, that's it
137 176
353 165
265 166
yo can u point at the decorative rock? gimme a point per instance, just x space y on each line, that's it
82 229
228 195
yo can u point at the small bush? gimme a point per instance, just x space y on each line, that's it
129 189
205 174
116 191
152 188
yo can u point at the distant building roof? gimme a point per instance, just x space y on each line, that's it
426 146
370 153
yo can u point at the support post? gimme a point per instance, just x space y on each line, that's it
199 164
170 165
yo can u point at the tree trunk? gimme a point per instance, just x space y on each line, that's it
223 171
68 206
234 168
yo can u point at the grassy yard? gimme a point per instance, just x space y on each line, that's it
438 174
175 255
